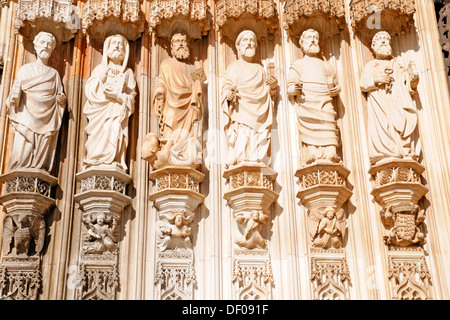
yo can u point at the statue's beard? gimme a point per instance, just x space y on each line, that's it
181 53
248 52
43 54
312 49
115 54
383 51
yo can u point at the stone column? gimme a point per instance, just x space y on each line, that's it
27 198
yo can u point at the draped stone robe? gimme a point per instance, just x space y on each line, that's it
180 110
37 118
107 128
315 111
249 120
392 115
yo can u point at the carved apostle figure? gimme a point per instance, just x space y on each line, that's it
392 115
312 83
247 100
178 103
110 93
36 106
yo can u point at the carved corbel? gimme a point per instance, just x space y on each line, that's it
325 16
27 198
102 199
176 198
102 18
398 189
59 17
192 16
250 197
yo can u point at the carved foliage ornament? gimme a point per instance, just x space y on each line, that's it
294 9
410 280
252 281
228 9
19 285
361 9
330 279
63 15
175 282
195 10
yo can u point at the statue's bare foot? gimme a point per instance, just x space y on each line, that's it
334 158
311 159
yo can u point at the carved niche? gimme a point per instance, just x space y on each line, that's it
325 16
165 16
102 18
59 17
232 16
396 16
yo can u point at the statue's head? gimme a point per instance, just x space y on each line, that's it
44 44
381 45
246 43
179 45
101 217
116 49
309 42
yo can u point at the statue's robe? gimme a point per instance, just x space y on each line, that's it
249 120
37 118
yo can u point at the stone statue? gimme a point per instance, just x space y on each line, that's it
327 227
247 100
392 115
19 230
102 235
178 103
110 93
312 83
36 106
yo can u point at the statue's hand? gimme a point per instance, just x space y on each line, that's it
382 79
159 93
61 99
272 82
335 91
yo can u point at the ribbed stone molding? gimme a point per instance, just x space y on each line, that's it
102 199
250 197
176 199
26 200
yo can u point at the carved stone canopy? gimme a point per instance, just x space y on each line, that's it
325 16
102 18
370 16
233 16
166 16
59 17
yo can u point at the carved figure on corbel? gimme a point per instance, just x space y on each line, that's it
174 230
102 234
